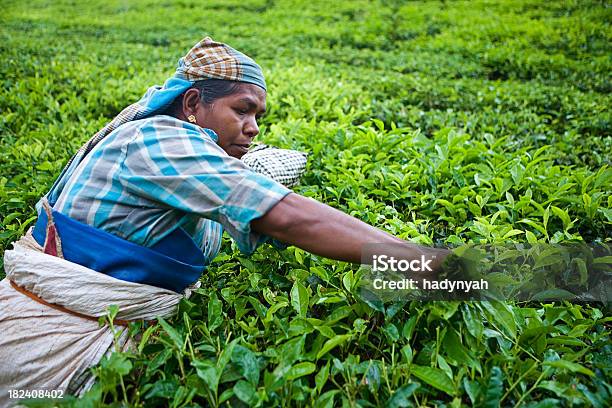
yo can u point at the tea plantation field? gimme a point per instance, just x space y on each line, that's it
442 122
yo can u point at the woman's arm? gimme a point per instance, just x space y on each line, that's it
323 230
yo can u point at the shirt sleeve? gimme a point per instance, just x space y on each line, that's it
180 166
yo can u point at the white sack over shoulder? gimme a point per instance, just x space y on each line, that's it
44 348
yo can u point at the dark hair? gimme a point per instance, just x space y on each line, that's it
210 91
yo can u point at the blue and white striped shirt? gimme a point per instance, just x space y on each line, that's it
153 175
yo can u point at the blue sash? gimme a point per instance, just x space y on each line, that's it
173 263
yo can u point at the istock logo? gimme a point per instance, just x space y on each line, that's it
384 263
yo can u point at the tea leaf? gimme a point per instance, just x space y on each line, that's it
434 377
332 343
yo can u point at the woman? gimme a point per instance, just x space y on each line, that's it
138 213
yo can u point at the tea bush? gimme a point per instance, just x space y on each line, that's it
441 122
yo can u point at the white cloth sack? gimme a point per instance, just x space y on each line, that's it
42 348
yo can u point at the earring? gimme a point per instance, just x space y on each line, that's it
191 119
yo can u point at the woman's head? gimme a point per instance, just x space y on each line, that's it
241 80
229 108
228 93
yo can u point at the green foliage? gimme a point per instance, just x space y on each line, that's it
440 122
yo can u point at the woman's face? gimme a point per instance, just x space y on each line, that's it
234 118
